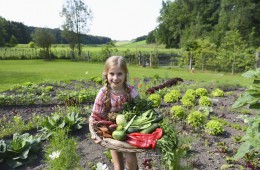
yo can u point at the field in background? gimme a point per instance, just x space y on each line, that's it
14 72
22 51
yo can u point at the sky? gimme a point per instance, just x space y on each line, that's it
116 19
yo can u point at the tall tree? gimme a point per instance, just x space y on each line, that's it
241 15
77 16
2 32
232 49
205 52
182 21
43 38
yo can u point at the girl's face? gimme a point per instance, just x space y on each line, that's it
116 77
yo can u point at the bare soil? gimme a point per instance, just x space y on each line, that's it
206 151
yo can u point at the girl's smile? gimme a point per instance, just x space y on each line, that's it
116 78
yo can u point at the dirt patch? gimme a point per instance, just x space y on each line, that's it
206 152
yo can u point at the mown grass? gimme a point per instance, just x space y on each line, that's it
14 72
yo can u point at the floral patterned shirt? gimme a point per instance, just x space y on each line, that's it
117 101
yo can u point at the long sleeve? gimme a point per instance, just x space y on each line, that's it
99 103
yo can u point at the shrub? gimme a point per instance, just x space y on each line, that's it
196 119
31 44
214 127
178 112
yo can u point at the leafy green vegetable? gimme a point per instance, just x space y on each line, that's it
217 93
136 107
156 99
178 112
205 101
57 120
172 96
188 100
190 92
201 92
144 120
196 119
214 127
252 95
170 146
20 150
251 140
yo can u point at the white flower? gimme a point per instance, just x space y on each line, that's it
101 166
55 155
86 72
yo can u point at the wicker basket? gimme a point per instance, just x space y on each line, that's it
113 144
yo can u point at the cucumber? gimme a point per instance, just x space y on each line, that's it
150 129
132 130
158 118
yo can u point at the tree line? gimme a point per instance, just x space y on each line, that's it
12 33
183 21
219 34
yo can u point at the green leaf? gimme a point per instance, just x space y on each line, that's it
256 81
24 154
62 125
242 150
249 74
243 100
254 106
14 163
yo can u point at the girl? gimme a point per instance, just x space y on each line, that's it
111 98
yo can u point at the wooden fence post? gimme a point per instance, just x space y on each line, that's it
151 59
190 61
257 59
139 58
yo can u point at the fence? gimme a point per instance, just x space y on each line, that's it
158 59
142 58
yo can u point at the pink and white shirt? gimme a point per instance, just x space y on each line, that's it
117 100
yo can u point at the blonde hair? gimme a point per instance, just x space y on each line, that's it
114 61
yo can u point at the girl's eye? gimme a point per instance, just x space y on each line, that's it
111 74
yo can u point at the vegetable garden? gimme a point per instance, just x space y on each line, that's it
45 126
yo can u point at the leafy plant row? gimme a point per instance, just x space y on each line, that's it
36 94
23 148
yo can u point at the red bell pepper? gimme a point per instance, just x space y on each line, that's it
141 143
158 133
142 140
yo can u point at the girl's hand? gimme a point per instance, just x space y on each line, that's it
95 139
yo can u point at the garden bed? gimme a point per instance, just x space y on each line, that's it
205 151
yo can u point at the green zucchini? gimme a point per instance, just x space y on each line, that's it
132 130
158 118
150 129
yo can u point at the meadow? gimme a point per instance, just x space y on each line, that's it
15 72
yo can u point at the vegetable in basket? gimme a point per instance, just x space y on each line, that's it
145 141
121 134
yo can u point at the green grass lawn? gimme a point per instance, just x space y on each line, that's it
14 72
